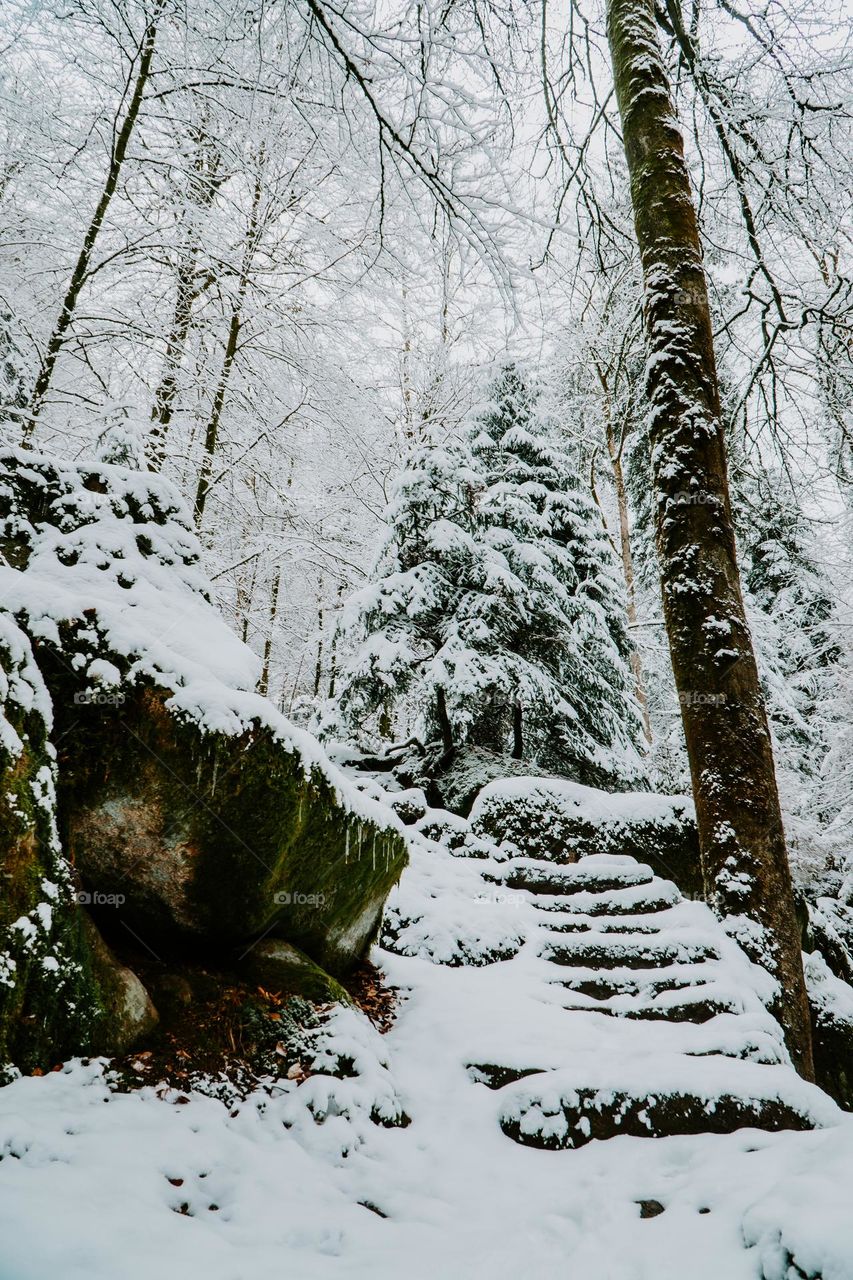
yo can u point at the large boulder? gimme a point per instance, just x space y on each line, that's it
562 821
185 798
222 836
61 989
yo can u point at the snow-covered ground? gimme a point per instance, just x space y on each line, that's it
96 1185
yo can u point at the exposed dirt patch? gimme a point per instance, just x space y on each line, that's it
372 994
227 1036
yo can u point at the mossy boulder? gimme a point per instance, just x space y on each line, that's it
126 1012
184 796
219 837
61 991
562 821
281 968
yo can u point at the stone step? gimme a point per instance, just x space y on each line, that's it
602 986
497 1077
620 953
552 1115
545 878
695 1007
634 900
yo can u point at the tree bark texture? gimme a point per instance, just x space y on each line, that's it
742 841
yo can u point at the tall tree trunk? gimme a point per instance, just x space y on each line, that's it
630 581
211 435
78 277
744 859
318 666
264 682
207 176
166 393
443 720
333 648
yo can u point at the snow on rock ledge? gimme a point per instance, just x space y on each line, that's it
180 787
563 821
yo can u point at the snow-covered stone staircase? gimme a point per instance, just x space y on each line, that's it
670 1028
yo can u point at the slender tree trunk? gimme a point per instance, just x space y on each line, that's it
211 435
333 647
630 581
615 454
264 682
166 393
744 859
443 719
207 177
245 595
78 277
318 668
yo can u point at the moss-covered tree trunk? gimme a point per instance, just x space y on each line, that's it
741 838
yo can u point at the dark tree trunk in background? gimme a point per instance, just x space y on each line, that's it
235 326
264 682
166 393
744 858
443 720
614 452
208 175
211 433
517 732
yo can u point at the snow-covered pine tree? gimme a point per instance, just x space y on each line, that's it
495 616
792 612
552 618
424 565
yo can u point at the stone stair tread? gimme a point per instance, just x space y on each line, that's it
696 1006
641 899
494 1076
544 877
714 1094
601 986
609 954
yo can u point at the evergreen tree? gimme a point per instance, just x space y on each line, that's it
496 610
420 573
552 622
792 611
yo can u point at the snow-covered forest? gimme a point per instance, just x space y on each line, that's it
426 643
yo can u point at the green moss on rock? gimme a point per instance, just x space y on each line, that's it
219 837
279 967
181 791
61 991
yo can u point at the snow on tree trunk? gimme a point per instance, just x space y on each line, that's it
741 837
